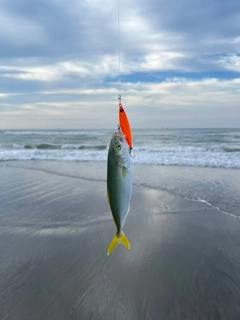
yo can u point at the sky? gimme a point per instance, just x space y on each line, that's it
179 63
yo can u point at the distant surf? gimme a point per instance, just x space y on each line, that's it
218 148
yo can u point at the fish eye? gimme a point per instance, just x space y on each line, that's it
118 146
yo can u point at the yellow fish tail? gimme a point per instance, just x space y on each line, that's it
116 240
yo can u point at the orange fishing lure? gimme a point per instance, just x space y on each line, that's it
124 125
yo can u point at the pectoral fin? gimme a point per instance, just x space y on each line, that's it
124 172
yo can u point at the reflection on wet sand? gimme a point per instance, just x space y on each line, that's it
54 232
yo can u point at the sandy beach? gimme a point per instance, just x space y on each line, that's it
55 228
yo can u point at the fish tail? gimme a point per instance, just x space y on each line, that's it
116 240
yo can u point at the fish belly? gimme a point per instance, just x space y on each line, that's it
119 194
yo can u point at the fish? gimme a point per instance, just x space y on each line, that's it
119 186
125 125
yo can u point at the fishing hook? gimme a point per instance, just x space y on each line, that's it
129 149
130 152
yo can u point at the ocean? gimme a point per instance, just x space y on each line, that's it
173 159
172 147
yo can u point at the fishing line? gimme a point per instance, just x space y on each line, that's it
119 62
119 51
121 110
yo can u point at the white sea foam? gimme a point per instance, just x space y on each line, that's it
57 155
76 153
92 133
200 148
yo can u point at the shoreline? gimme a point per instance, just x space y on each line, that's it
55 228
200 184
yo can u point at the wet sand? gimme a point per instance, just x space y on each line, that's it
184 261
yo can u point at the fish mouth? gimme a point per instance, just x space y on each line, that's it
118 136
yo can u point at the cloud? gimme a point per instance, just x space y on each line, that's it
230 62
53 72
19 30
158 104
59 62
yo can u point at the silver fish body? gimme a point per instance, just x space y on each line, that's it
119 184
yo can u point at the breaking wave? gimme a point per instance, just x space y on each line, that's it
187 147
